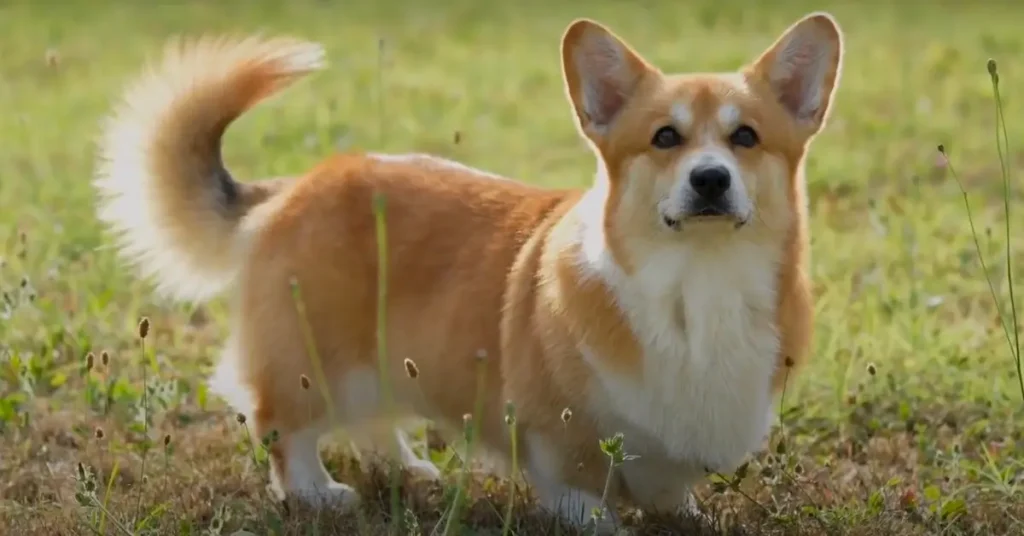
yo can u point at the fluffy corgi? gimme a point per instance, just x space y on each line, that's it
669 301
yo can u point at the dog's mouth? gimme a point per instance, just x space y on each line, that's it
708 212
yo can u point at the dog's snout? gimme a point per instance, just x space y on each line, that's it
710 182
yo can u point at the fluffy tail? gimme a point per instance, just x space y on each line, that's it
163 189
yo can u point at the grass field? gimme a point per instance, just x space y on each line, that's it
909 419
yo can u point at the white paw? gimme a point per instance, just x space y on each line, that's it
690 508
423 469
331 495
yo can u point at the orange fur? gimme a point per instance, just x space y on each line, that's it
620 302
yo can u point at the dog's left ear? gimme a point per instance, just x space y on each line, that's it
802 68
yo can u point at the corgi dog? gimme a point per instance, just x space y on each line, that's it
669 301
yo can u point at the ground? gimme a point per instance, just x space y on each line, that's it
908 420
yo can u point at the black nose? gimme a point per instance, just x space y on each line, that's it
710 182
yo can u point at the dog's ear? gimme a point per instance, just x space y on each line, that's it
601 72
802 68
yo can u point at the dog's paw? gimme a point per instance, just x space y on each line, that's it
423 469
333 495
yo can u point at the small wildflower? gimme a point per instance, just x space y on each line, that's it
90 361
143 327
98 433
411 370
240 418
467 418
304 382
566 415
105 358
872 369
481 354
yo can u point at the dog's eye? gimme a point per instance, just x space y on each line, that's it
667 138
744 136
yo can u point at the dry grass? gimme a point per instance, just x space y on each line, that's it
909 420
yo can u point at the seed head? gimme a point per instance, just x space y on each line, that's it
481 355
458 137
304 382
942 149
105 358
993 71
52 58
510 413
566 415
167 440
90 361
143 327
788 361
98 433
240 418
411 370
24 282
872 370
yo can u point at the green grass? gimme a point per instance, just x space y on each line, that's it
909 419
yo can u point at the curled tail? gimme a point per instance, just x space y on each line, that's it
163 188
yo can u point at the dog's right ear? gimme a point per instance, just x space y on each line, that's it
601 72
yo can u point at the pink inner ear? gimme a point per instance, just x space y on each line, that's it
792 94
605 79
603 100
799 67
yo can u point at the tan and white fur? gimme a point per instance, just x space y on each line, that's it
668 301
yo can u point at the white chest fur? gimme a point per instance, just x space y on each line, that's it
705 319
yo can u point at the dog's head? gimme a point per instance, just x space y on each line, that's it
688 155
